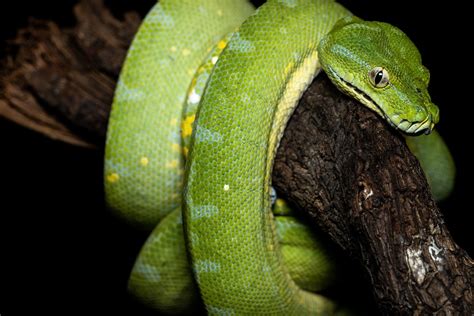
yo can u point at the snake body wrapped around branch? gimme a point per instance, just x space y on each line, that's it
202 102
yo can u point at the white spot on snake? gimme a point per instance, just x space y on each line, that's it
415 264
202 9
283 30
203 211
194 97
214 60
159 16
220 311
173 49
245 98
288 3
205 135
206 266
226 187
147 271
240 44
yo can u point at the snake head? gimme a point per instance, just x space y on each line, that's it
377 64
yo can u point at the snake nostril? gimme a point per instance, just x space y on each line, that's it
418 90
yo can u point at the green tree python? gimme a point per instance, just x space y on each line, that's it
201 104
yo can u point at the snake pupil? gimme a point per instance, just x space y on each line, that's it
378 77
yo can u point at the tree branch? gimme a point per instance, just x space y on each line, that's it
338 161
346 167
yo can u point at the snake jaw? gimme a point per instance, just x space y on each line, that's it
405 126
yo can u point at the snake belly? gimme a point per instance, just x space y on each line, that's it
228 220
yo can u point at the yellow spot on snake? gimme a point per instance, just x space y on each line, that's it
280 202
222 44
173 49
289 67
144 161
172 164
113 177
220 13
186 52
174 122
187 126
176 147
190 72
185 151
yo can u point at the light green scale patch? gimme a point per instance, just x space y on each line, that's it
204 211
219 311
206 266
241 44
290 3
206 135
148 272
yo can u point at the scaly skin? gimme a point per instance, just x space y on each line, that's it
148 105
246 259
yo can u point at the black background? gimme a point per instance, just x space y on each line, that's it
62 252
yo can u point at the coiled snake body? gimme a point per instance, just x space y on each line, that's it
240 74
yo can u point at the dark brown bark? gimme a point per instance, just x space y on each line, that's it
61 81
356 177
338 161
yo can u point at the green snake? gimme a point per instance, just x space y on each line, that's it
201 104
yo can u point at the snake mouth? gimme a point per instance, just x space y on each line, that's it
408 127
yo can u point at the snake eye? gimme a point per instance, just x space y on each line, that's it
379 77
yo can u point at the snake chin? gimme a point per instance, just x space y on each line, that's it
405 126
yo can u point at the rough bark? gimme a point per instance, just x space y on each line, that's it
338 161
356 177
60 82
